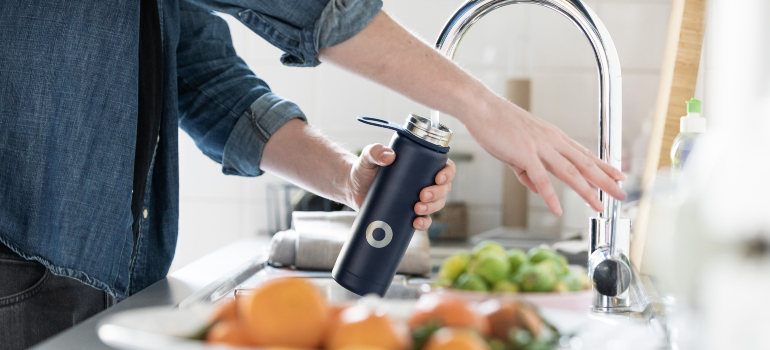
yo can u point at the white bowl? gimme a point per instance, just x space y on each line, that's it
574 301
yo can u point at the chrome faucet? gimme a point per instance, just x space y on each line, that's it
608 266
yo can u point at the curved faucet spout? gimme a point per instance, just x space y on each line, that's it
610 84
606 233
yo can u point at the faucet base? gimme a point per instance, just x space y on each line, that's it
606 304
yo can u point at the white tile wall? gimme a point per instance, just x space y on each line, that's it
516 41
624 20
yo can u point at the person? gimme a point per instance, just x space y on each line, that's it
92 95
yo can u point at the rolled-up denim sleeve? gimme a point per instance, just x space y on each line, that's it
228 111
243 150
300 27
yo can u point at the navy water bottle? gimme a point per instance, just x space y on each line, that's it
383 229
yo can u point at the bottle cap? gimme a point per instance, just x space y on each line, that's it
693 122
693 106
421 127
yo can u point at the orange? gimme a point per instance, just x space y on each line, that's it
455 339
286 312
449 310
361 328
225 312
231 332
335 311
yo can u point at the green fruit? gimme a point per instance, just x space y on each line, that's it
585 283
488 247
572 281
576 281
442 282
454 265
538 254
516 277
505 287
516 258
491 267
471 281
560 287
557 267
538 278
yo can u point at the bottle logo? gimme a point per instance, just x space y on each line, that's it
370 234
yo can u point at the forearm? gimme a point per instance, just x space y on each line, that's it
388 54
307 158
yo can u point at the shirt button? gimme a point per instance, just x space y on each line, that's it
145 213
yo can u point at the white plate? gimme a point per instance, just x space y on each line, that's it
167 327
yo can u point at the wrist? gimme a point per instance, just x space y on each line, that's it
344 181
475 103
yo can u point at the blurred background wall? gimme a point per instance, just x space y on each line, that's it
516 42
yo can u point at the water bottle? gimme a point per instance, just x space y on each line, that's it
383 229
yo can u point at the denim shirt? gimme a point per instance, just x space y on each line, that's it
68 114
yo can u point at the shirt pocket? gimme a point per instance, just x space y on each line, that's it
277 32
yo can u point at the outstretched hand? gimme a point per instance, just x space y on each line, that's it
533 148
432 198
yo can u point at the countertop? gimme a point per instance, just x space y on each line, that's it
169 291
206 276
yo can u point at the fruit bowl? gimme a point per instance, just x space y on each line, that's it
574 301
540 276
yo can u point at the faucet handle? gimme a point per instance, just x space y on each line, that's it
610 275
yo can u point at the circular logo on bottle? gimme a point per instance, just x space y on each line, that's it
370 234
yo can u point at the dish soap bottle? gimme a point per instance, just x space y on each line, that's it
690 127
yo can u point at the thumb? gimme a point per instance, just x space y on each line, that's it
376 155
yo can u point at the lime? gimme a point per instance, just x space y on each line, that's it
538 278
491 266
516 276
538 254
560 287
505 287
454 265
471 281
442 282
516 258
488 247
572 280
585 283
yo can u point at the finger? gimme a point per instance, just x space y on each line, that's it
563 169
539 177
436 192
422 223
524 178
447 174
422 208
375 155
592 172
604 166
